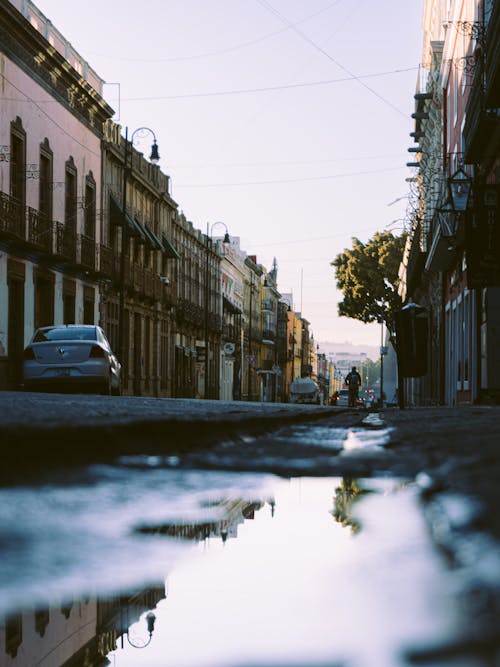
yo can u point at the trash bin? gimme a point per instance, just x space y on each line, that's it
411 340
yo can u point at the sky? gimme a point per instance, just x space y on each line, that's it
286 120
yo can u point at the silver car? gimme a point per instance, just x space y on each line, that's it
76 356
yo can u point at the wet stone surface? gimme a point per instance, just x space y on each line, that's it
339 537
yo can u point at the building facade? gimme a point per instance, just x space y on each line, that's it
452 263
51 128
89 233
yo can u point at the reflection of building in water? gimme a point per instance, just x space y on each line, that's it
233 512
345 495
83 632
75 633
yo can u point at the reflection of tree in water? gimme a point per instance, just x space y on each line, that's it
345 495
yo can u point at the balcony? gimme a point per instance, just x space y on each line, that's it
149 290
231 332
87 252
12 218
268 304
492 58
268 336
39 231
481 125
167 293
105 260
65 242
138 280
192 313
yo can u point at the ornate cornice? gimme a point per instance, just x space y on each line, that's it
30 51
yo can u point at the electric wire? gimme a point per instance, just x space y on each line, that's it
283 18
246 91
218 52
288 180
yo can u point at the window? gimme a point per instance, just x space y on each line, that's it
18 161
45 182
70 193
90 207
88 305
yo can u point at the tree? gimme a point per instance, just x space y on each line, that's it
367 276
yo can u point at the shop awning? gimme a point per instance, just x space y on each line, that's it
134 227
153 239
231 307
169 249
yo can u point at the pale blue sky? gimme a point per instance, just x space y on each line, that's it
254 126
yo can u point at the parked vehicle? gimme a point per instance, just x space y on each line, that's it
76 356
304 390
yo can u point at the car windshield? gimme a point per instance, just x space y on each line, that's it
65 333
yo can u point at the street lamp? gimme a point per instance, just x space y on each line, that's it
449 214
139 642
459 185
154 158
225 241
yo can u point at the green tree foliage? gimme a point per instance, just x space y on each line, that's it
367 276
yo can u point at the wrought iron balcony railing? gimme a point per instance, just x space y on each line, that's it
65 241
40 230
12 217
87 252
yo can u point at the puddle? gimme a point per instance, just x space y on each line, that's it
239 569
248 555
316 581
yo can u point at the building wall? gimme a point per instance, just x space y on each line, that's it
52 131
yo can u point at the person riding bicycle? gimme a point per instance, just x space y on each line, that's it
353 380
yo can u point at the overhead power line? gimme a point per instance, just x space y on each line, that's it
288 180
265 89
219 52
301 34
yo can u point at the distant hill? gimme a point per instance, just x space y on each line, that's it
371 351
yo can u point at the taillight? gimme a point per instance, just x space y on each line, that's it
97 352
28 354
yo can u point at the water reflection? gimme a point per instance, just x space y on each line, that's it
260 571
346 493
83 631
78 632
234 511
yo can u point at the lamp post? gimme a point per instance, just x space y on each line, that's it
225 240
139 642
154 158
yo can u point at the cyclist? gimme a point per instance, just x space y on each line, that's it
353 380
